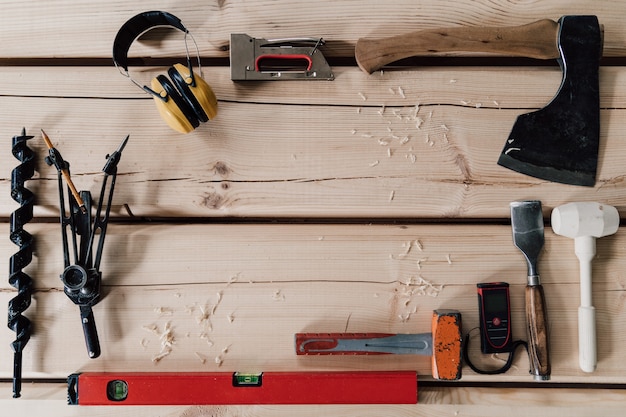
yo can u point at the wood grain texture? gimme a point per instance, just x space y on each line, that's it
430 154
479 402
81 30
218 287
415 147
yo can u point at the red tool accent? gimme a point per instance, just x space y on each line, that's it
324 343
384 387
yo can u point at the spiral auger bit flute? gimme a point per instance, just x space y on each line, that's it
82 276
17 322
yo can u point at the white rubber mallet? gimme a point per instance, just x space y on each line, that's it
584 222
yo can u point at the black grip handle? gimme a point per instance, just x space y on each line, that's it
90 331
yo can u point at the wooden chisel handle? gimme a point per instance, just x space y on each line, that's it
537 322
533 40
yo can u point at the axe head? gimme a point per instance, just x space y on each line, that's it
560 142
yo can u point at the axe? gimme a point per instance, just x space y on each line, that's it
558 142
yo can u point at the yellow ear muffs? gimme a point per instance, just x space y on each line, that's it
195 91
172 107
186 100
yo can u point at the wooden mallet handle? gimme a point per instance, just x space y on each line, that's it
534 40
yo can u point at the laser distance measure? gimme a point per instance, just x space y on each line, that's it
495 317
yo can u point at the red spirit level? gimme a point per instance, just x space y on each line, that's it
223 388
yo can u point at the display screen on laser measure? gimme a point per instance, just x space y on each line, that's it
117 390
496 302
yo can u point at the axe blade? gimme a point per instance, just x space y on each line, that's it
560 142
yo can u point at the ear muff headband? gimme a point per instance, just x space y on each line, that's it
135 27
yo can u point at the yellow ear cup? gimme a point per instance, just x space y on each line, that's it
202 91
169 108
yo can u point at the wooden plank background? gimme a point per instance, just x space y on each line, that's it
299 207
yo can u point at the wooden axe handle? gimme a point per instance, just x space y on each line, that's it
537 322
533 40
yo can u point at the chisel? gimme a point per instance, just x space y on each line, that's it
527 224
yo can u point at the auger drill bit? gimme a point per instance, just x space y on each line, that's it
17 277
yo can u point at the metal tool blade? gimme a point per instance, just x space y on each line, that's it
560 142
527 224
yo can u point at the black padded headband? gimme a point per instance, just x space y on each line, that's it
137 25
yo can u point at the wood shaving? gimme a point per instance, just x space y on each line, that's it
152 328
362 96
373 164
392 194
205 314
163 311
167 341
449 259
420 286
205 336
278 296
407 248
161 355
404 317
233 279
219 360
416 110
201 357
401 92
